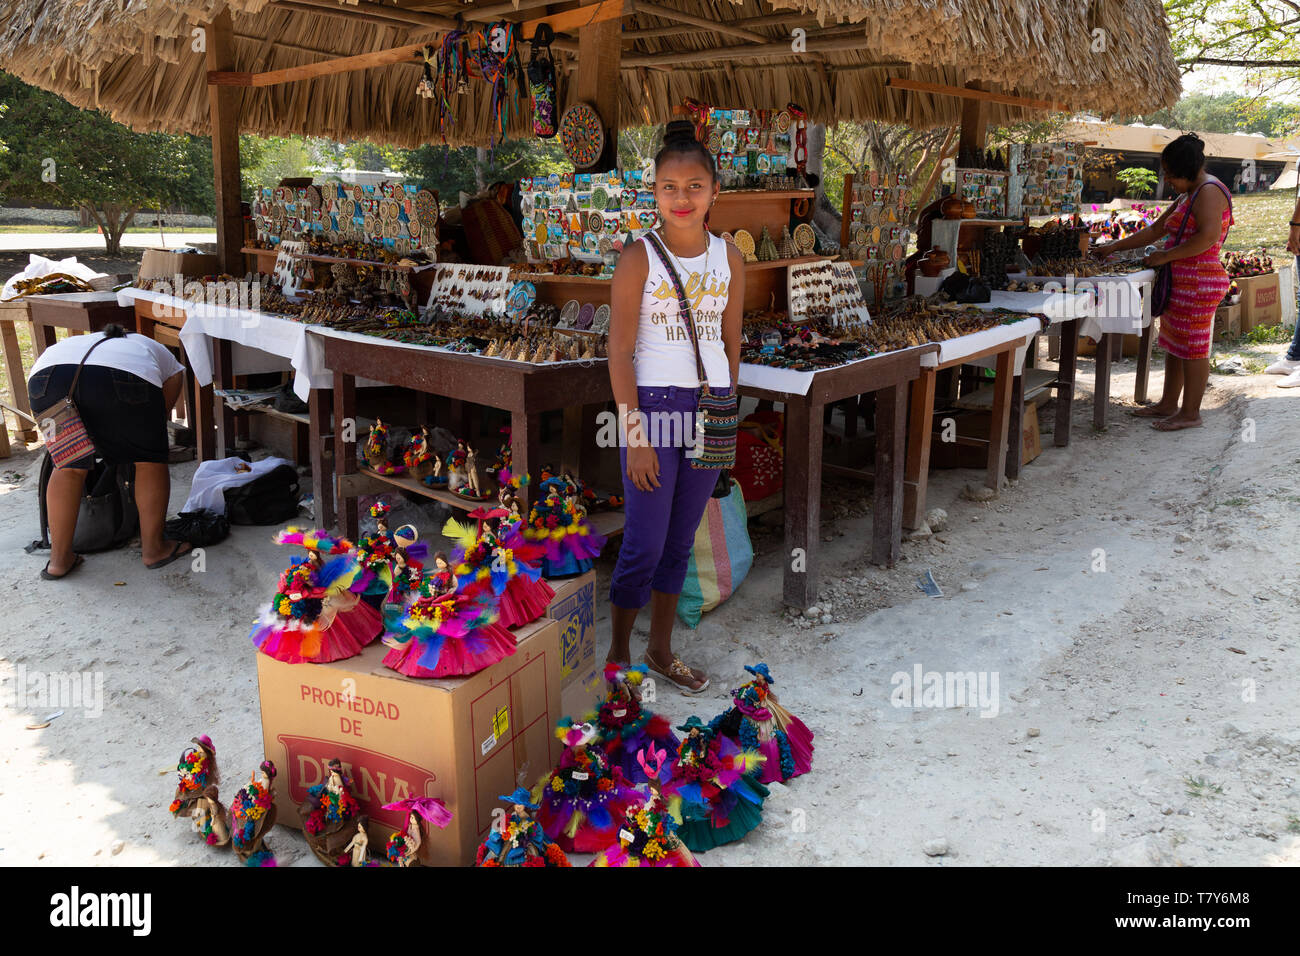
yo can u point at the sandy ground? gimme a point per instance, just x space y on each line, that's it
1133 596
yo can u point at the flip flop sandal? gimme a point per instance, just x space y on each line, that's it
176 553
678 674
45 571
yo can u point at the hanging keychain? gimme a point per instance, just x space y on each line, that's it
541 82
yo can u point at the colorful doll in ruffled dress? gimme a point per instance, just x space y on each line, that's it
507 566
561 525
403 847
378 553
519 839
252 815
717 782
195 772
648 835
757 722
584 798
627 726
327 816
316 616
444 635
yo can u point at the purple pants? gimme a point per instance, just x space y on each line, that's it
660 525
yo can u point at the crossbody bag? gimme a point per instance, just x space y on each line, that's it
66 438
717 415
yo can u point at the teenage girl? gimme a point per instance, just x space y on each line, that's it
653 371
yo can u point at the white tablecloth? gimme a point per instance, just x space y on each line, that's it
954 349
1116 304
781 379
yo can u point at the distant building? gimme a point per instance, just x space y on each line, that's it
355 177
1236 158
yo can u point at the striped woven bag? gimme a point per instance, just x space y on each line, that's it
717 416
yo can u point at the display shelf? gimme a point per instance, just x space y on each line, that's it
249 250
780 263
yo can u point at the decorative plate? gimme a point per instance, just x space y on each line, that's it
582 135
358 193
715 142
413 226
569 313
729 139
804 238
540 232
599 198
782 121
402 245
605 245
518 300
600 321
585 316
875 233
648 174
390 229
862 237
744 242
313 197
596 222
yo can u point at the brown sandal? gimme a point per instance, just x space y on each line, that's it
679 674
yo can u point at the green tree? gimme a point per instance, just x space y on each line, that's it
1227 113
451 171
1260 35
61 155
1138 181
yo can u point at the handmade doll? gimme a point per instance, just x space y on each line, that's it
757 722
445 635
418 456
626 726
584 798
315 615
560 524
327 816
358 848
506 566
456 466
717 782
403 847
648 834
209 818
520 839
195 772
377 450
377 552
252 814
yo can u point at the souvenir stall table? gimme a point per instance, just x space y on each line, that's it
523 389
805 396
1121 305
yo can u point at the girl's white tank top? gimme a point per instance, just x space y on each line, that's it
664 355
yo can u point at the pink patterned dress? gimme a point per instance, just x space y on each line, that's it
1200 283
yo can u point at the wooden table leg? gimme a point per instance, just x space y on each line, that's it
1101 392
803 501
1016 427
1001 415
17 378
1144 364
917 475
345 448
1068 354
850 408
526 450
321 452
43 336
223 369
571 440
887 495
202 417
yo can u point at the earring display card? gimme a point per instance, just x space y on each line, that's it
825 290
879 209
468 289
286 260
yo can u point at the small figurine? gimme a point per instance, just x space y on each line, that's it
419 457
477 483
377 450
561 526
456 465
195 772
626 726
520 839
503 564
445 635
757 722
358 848
404 846
648 836
717 782
209 818
584 798
316 615
327 816
252 814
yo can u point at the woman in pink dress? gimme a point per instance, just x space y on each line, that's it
1199 280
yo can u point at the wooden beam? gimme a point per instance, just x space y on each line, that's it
668 13
971 93
371 12
344 64
223 111
580 17
501 11
749 51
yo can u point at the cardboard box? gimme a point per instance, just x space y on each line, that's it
1227 322
970 449
1261 301
574 609
161 264
1132 344
464 740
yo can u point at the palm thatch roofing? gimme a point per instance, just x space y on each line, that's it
137 59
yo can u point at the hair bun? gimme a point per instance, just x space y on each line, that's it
679 131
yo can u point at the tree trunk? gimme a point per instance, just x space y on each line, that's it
112 220
480 163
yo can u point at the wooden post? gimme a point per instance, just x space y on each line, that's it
1001 414
596 81
223 110
319 406
917 472
1069 346
974 123
345 449
887 495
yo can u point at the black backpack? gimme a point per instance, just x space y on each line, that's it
267 499
107 518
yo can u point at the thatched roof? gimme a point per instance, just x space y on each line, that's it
134 58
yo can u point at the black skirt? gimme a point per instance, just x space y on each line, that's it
124 414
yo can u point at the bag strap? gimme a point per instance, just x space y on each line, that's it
72 389
683 303
1178 237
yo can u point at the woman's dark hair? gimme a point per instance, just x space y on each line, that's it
1184 158
679 140
113 331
